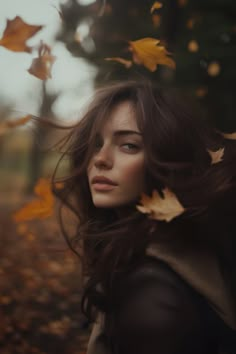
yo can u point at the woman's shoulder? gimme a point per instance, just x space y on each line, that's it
157 272
154 304
152 281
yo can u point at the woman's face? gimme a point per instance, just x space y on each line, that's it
116 169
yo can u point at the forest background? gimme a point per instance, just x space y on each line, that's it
187 45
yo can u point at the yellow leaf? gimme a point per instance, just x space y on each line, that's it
216 156
41 67
156 6
40 208
16 33
158 208
149 52
126 63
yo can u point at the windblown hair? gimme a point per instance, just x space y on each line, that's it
176 148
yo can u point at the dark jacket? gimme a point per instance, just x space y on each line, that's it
175 302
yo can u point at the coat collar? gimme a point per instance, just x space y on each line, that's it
201 270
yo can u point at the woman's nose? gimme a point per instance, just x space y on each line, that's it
103 158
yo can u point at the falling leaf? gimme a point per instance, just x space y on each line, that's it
9 124
193 46
216 156
57 327
16 33
149 52
213 68
160 208
156 6
40 208
156 20
126 63
230 136
41 67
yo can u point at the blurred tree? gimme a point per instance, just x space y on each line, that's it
38 150
201 34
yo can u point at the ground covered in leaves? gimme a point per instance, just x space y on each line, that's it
40 291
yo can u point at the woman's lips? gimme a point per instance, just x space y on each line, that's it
103 186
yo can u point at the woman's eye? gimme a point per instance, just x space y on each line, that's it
97 144
129 146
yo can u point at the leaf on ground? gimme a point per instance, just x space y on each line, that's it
9 124
40 208
149 52
57 327
42 65
159 208
126 63
16 33
156 6
216 156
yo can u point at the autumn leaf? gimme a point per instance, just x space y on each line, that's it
9 124
216 156
158 208
41 67
16 33
126 63
156 6
149 52
230 136
40 208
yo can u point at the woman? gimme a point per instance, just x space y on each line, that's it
156 285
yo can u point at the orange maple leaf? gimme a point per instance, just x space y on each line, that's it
40 208
149 52
126 63
159 208
16 33
41 67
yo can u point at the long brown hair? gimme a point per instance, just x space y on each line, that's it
176 145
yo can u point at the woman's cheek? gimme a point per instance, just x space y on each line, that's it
133 170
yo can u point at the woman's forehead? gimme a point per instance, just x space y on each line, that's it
121 117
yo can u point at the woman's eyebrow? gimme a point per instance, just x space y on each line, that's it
125 132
